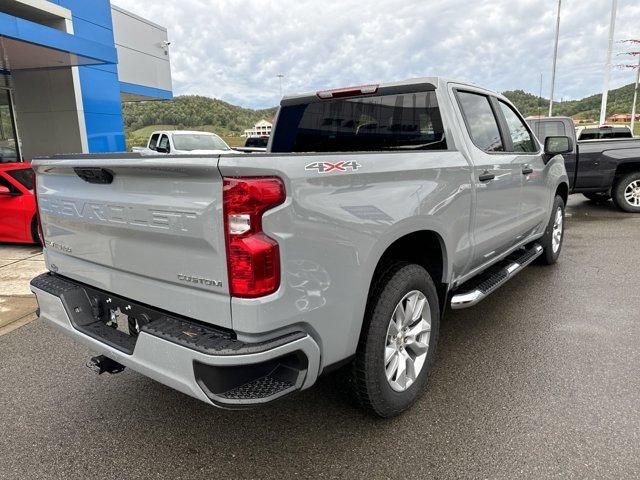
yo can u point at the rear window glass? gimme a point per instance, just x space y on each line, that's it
408 121
548 129
23 176
257 142
601 133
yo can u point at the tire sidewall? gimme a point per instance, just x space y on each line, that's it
551 257
621 186
408 278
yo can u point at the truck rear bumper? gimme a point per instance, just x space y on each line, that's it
196 359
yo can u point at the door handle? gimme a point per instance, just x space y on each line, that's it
526 170
486 176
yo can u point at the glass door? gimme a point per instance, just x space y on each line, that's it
9 151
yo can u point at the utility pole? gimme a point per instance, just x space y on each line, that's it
635 96
555 59
280 77
637 68
607 67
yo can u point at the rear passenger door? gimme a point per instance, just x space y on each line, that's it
497 177
527 153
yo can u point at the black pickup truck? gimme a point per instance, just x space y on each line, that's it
599 169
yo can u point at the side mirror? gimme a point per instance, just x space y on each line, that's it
557 145
162 149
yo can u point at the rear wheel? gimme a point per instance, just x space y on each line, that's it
398 341
35 235
626 193
554 234
598 196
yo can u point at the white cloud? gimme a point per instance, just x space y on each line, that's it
234 49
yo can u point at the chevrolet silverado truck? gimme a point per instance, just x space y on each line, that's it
240 279
601 168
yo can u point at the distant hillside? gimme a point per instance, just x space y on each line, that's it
229 121
186 112
619 102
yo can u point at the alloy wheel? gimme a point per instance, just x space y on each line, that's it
632 193
556 236
407 341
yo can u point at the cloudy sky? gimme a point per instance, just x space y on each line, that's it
234 49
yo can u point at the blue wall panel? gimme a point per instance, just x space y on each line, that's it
94 11
100 85
107 134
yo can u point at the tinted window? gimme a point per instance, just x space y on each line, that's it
7 183
164 143
23 176
601 133
481 122
547 129
408 121
257 142
154 141
521 139
189 142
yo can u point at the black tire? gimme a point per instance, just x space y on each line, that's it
619 189
35 235
549 256
598 196
368 377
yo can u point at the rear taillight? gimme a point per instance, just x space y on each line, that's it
253 258
39 220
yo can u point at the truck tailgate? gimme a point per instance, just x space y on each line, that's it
148 229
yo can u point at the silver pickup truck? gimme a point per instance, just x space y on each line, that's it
241 279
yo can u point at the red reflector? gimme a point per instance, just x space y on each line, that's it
348 91
253 258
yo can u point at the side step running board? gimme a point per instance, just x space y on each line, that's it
493 279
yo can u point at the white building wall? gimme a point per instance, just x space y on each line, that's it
143 52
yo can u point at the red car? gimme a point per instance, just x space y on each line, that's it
18 221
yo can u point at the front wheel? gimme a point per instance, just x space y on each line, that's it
554 234
626 193
398 341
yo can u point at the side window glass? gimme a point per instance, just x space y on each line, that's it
154 141
521 139
481 122
6 183
164 143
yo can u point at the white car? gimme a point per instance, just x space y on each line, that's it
187 142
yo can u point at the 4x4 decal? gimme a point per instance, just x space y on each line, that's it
326 167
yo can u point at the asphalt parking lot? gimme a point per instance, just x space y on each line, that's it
539 381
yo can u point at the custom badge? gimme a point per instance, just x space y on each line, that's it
326 167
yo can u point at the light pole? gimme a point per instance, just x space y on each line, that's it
607 67
555 59
635 89
280 77
635 96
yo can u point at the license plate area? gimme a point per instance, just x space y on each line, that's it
111 319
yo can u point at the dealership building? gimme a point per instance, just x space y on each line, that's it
66 67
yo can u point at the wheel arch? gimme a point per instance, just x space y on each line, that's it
426 248
563 190
625 168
